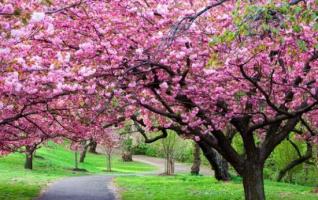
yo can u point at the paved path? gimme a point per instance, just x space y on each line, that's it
179 167
99 187
81 188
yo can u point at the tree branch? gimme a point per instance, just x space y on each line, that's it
143 133
295 162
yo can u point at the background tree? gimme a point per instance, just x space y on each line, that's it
109 142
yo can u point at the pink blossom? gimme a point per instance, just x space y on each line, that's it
197 138
37 16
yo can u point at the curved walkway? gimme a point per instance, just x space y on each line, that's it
179 167
81 188
99 187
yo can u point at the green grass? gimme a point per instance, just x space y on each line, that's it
19 184
186 187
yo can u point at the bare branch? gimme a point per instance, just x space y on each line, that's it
185 23
143 133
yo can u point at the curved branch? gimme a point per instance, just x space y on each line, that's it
295 147
143 133
295 162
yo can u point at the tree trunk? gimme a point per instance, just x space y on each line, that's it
222 168
253 182
109 165
217 162
195 169
169 165
83 153
92 147
76 159
28 158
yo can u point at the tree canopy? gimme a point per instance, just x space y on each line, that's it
72 68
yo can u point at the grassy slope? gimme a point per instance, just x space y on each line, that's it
186 187
19 184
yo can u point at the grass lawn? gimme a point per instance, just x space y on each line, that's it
19 184
186 187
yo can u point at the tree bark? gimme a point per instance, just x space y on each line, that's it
195 169
76 159
83 153
217 162
253 181
92 147
169 165
109 161
28 158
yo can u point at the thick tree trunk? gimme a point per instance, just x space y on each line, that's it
217 162
253 182
83 153
92 147
28 158
195 169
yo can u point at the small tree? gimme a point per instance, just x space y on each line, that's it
77 147
109 142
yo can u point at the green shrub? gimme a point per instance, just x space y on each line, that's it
150 151
140 149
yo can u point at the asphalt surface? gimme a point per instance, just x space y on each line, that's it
100 187
80 188
178 168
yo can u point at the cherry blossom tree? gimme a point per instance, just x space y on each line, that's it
194 67
257 74
38 86
255 71
109 142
